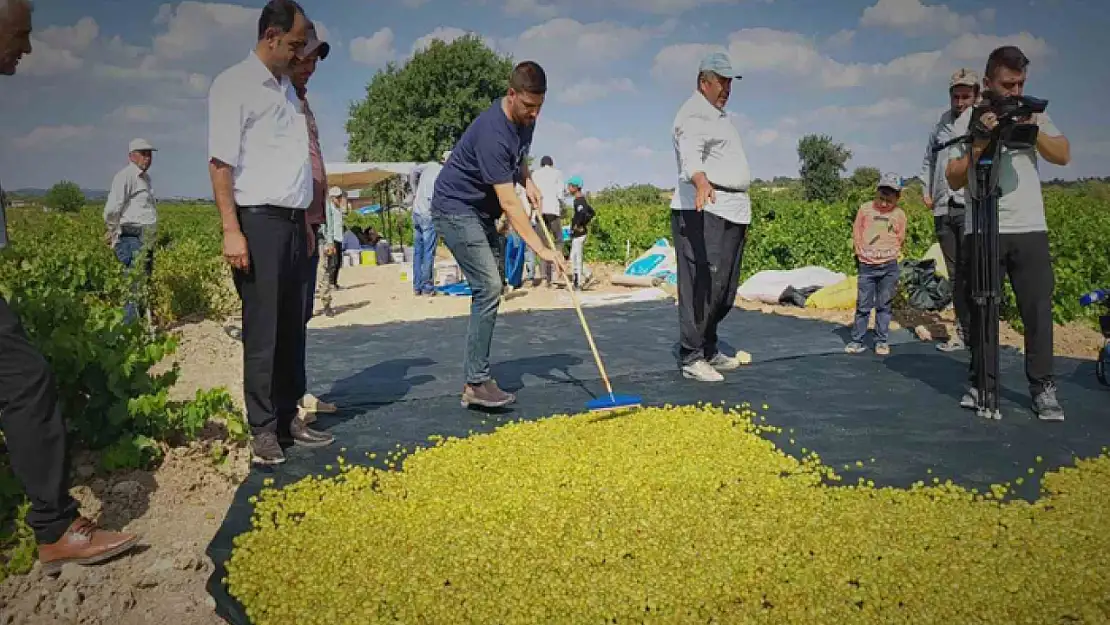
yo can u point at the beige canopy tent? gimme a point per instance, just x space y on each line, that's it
348 176
359 177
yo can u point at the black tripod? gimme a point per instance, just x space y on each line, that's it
986 285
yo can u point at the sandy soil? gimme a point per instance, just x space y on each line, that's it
178 507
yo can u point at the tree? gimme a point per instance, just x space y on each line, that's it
65 196
416 111
822 163
865 178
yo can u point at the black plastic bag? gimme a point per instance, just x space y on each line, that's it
923 288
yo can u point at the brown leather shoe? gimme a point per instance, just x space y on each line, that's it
487 395
304 436
84 543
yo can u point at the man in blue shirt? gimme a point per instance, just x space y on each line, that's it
478 184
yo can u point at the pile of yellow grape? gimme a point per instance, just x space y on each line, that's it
676 515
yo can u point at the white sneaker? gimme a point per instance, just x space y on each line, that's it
701 371
722 362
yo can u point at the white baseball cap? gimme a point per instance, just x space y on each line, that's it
138 145
335 192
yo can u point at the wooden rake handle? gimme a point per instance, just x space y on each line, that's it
578 309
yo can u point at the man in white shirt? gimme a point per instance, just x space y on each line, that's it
424 237
32 422
131 213
1023 247
260 165
948 205
710 214
553 188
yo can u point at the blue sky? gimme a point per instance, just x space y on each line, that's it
870 73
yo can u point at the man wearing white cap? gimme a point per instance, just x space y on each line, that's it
710 214
949 205
424 236
131 213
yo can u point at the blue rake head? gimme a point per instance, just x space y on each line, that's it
613 402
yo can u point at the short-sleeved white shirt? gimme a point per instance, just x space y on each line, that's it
1020 203
257 125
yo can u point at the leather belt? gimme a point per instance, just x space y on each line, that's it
718 187
133 230
290 214
954 204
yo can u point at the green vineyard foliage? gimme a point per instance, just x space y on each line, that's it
68 289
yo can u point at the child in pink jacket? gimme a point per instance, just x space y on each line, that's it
879 232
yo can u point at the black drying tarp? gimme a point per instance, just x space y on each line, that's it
400 383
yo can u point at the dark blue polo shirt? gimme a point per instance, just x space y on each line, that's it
491 151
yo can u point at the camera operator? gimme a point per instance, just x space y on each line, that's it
1023 247
949 206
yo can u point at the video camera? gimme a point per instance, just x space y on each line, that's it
1013 113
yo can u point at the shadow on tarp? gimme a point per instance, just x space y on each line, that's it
901 411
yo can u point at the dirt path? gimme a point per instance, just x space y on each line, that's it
179 506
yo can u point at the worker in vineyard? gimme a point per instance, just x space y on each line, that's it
552 186
478 185
579 228
949 206
30 417
131 214
710 214
315 50
260 164
424 237
1023 248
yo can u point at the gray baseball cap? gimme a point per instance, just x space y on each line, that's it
891 181
720 64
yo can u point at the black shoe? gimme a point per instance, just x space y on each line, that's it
1046 405
304 436
266 450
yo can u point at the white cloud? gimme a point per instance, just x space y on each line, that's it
195 26
793 54
446 34
48 61
50 136
914 18
842 38
73 38
374 50
135 113
530 8
564 46
976 48
586 91
414 4
600 161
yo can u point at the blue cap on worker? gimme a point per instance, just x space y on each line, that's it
891 181
576 181
720 64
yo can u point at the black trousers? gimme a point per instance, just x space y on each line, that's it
34 430
708 252
1025 258
950 234
273 294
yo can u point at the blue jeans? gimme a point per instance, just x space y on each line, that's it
876 289
127 250
474 243
424 241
